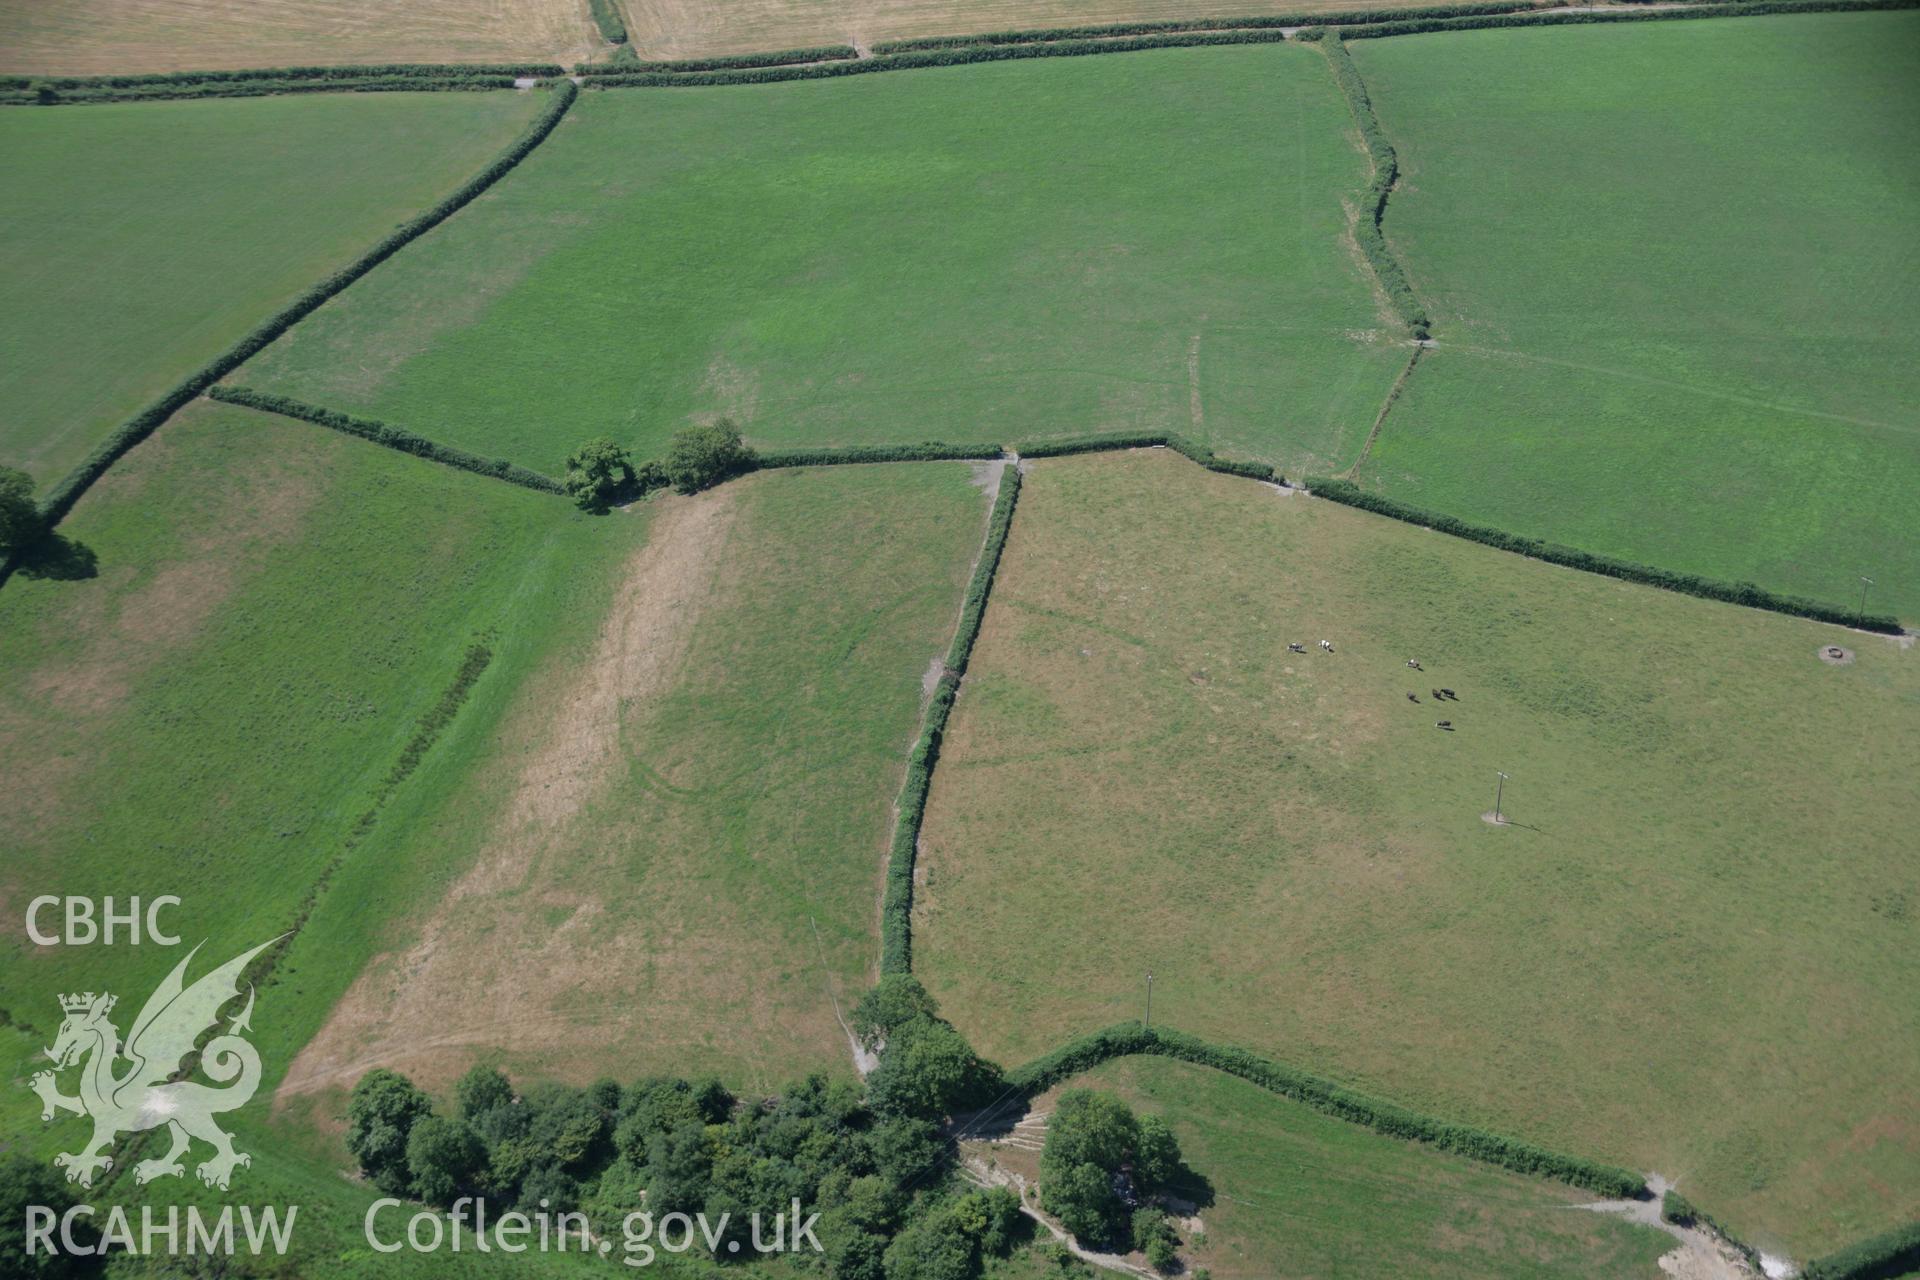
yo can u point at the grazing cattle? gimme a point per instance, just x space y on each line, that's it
1448 693
1444 724
1412 698
1414 663
1327 645
1296 648
1437 694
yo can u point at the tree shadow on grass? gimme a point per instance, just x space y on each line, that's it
57 558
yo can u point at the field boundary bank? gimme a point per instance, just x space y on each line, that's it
427 77
61 498
1371 229
903 848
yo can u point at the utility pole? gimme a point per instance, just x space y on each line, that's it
1146 1023
1861 617
1499 792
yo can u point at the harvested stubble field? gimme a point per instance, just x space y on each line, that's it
666 855
1670 267
140 240
1290 1192
1692 953
118 37
965 253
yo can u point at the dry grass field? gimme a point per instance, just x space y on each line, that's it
1694 953
101 37
694 28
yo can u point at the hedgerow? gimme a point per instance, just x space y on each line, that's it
1146 440
1383 1117
1040 35
472 664
616 78
1744 593
1386 171
929 451
1741 9
1882 1257
61 498
249 89
363 71
896 914
734 61
612 28
385 434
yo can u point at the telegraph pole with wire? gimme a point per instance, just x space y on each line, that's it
1499 794
1861 616
1146 1023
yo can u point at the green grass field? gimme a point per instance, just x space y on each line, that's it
138 241
1291 1192
1669 266
276 607
1150 241
1695 955
666 856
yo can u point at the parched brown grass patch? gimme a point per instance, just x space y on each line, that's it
1683 928
98 37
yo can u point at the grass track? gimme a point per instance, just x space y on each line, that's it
1295 1193
975 252
1669 266
141 240
1701 935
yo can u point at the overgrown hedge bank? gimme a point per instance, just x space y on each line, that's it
391 436
1745 593
734 61
1146 440
356 71
1039 35
896 912
1386 171
613 28
1740 9
928 451
1324 1096
1882 1257
61 498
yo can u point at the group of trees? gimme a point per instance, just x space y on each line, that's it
871 1160
1099 1170
19 515
601 473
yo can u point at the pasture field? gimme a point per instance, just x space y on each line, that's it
1290 1192
1669 266
986 252
140 240
1691 953
212 714
118 37
666 857
692 29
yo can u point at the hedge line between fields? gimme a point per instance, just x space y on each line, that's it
1040 35
613 28
357 71
249 89
1386 172
928 451
896 913
1738 9
61 498
1324 1096
1146 440
386 434
735 61
615 79
1882 1257
1744 593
